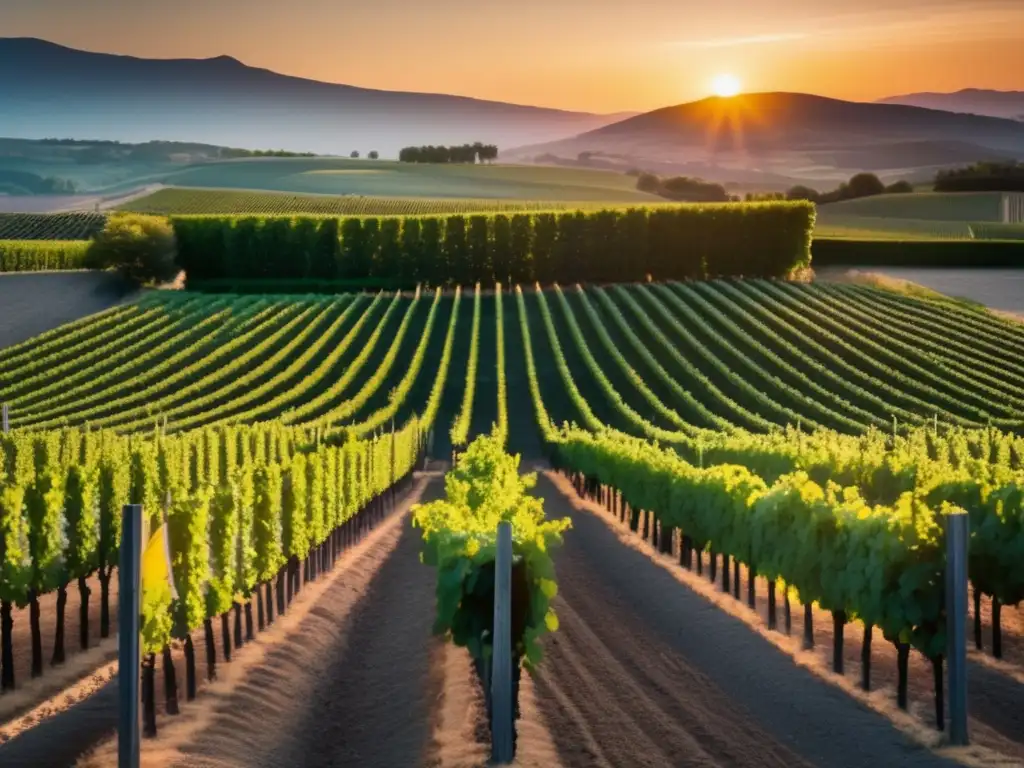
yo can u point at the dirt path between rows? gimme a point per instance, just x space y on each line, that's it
645 672
358 680
355 687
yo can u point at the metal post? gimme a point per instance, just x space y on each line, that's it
128 658
501 670
956 623
5 420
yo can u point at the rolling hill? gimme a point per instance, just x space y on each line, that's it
780 137
50 90
978 101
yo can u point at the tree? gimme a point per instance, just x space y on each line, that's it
694 190
466 153
900 188
316 524
44 500
266 530
245 553
373 155
220 596
801 192
982 177
865 185
113 488
648 182
294 530
354 155
15 571
142 248
188 526
81 548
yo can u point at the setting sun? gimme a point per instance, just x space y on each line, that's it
726 85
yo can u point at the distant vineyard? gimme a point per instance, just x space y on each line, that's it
50 226
224 202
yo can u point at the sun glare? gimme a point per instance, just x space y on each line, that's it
726 85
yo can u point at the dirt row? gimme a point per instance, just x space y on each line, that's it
643 671
995 690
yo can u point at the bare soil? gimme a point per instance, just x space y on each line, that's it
644 671
32 303
64 203
353 678
29 691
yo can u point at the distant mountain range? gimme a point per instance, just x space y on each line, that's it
48 90
1008 104
764 139
777 138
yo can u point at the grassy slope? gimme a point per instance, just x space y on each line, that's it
336 176
919 216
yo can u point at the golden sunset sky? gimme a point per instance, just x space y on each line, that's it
594 55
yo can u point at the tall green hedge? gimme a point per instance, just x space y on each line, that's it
615 245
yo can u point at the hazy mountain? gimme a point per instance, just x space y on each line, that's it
49 90
977 101
789 136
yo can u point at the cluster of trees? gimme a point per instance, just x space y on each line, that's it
26 183
763 239
695 190
982 177
683 189
466 153
143 249
859 185
269 153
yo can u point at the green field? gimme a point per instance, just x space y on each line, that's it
933 206
176 201
855 227
335 176
923 216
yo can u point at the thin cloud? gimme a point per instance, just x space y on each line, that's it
941 22
733 42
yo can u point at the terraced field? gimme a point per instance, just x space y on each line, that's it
662 361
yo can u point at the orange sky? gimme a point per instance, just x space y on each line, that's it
595 55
